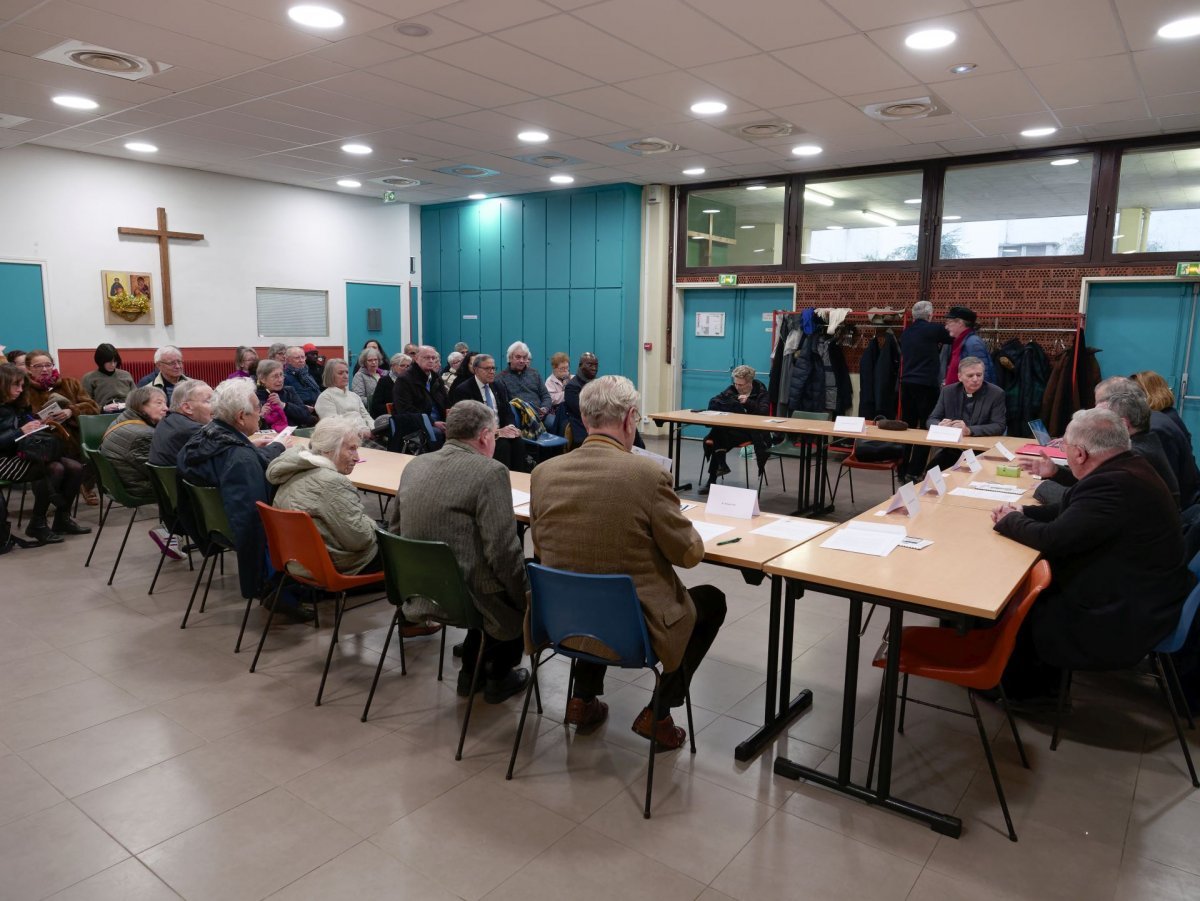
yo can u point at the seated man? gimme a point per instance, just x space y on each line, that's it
461 496
486 389
584 373
643 534
191 407
1115 547
220 455
296 376
523 381
168 363
420 391
746 395
973 405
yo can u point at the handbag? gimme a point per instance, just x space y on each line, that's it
414 443
41 447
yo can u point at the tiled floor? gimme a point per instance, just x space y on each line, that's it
139 762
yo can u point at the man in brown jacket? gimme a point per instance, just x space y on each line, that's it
602 510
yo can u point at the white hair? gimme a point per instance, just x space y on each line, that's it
519 347
1097 431
743 372
164 350
467 419
922 309
185 391
231 398
331 433
605 400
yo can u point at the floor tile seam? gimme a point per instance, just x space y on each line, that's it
91 674
859 841
20 751
737 791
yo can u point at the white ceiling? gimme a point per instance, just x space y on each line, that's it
251 94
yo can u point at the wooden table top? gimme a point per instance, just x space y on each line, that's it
986 474
750 551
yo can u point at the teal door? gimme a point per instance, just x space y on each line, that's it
1150 325
22 307
361 299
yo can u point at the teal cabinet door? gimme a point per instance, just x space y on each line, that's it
610 239
558 241
583 241
533 253
468 248
512 244
491 326
431 249
489 245
448 228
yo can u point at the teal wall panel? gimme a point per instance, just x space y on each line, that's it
608 329
533 230
449 318
583 241
468 319
431 253
558 241
513 327
558 323
610 239
468 248
583 323
512 249
533 317
490 325
449 248
431 319
489 246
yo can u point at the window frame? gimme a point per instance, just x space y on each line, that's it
789 231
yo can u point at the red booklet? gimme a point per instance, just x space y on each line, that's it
1036 449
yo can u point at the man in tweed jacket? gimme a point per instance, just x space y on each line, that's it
461 496
600 509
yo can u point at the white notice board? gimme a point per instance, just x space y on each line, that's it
710 325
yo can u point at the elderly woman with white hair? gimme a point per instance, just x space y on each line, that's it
523 381
314 479
746 395
366 378
338 400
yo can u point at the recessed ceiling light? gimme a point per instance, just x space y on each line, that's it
74 101
349 183
931 39
357 149
1066 161
951 218
756 187
913 200
696 171
1038 132
835 228
316 16
141 147
414 30
817 197
963 68
806 149
708 107
710 211
562 179
476 197
745 226
533 137
1181 28
877 217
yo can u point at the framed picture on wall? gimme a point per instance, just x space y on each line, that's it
128 298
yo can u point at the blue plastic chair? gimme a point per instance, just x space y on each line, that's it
602 609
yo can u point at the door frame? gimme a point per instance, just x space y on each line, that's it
401 286
677 316
45 267
1087 281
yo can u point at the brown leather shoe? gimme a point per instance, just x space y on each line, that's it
585 714
416 630
90 496
669 738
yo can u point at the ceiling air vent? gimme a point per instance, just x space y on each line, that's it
468 171
396 181
645 146
760 131
104 60
548 160
906 110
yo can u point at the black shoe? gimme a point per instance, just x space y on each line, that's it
703 492
502 689
64 525
464 684
42 534
457 650
723 469
297 613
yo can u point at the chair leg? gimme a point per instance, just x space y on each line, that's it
903 704
875 734
1063 687
655 701
475 677
208 585
850 479
571 681
1177 688
267 625
162 556
204 561
237 648
442 654
837 482
537 689
533 662
867 621
333 640
1169 698
687 703
1012 724
782 477
100 528
395 625
987 750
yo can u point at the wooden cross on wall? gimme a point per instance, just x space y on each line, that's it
164 261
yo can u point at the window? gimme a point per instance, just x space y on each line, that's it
289 312
867 219
740 226
1030 208
1158 201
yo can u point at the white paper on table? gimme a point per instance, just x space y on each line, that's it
905 501
1014 490
710 530
665 462
712 413
866 538
934 483
1000 496
1004 451
794 529
915 544
856 424
740 503
774 420
520 498
967 463
944 433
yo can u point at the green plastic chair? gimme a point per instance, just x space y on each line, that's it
166 489
788 447
92 428
6 490
214 536
114 489
427 569
305 432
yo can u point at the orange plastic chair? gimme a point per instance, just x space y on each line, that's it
851 462
292 538
974 661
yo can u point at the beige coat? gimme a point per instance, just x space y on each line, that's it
602 510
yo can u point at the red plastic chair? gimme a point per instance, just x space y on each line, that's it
974 661
851 462
292 538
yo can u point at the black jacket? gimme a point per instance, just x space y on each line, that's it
469 390
411 398
1115 547
1177 446
11 420
920 345
987 418
382 395
571 402
170 435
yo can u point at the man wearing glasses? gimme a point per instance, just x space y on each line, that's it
168 360
485 389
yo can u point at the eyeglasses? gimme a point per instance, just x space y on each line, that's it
171 362
41 366
485 368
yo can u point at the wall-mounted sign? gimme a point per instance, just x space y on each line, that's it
710 325
1184 270
727 279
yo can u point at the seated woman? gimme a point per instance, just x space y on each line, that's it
370 344
973 405
55 479
108 384
281 407
556 385
1161 397
314 480
387 383
246 360
47 384
127 439
746 395
366 378
337 400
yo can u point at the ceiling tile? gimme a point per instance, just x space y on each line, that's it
500 124
306 69
829 118
504 63
941 128
450 81
442 32
1084 82
974 45
1121 110
258 84
752 155
1176 104
10 9
868 14
557 116
361 52
699 136
1119 129
1168 70
402 9
373 88
584 48
215 97
360 17
772 25
372 115
849 65
1066 30
1171 124
678 90
1014 125
667 29
596 151
488 15
27 41
54 76
303 118
986 144
621 106
1003 94
1141 19
178 78
761 80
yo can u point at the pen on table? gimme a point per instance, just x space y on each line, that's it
729 541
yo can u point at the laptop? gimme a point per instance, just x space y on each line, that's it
1042 434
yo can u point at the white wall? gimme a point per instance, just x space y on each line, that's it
63 208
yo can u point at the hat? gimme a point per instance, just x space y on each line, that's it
311 347
966 315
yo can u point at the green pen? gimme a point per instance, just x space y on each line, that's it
730 541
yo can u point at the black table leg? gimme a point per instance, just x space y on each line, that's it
821 507
676 454
782 709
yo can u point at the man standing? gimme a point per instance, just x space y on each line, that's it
1115 546
297 377
960 324
920 345
643 535
460 496
168 361
523 381
191 408
491 393
420 391
588 367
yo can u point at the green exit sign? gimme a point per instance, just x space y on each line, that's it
727 279
1181 270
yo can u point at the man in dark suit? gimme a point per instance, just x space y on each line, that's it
485 389
973 405
1115 547
920 345
420 391
584 373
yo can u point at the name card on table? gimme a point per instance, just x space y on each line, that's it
934 483
905 501
1004 451
740 503
944 433
967 463
855 424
